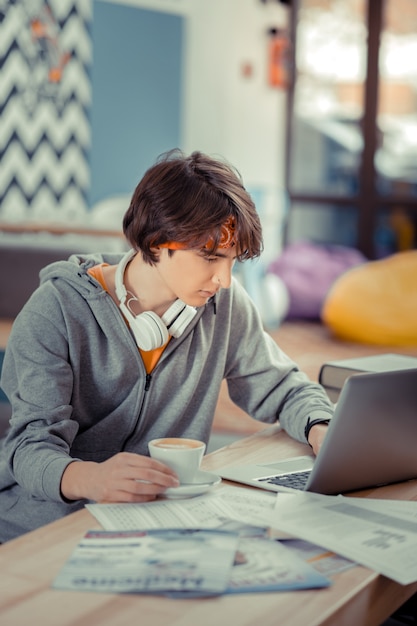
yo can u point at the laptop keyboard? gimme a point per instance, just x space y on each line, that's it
296 480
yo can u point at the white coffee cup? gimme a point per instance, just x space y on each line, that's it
182 455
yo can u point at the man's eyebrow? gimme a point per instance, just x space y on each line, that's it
219 255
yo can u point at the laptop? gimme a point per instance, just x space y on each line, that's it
371 441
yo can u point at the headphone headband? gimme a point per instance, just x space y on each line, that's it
120 288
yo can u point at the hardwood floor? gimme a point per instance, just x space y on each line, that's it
5 326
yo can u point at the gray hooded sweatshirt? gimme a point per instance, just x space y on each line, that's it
79 389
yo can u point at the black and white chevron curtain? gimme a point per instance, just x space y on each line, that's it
45 99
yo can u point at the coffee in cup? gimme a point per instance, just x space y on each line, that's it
182 455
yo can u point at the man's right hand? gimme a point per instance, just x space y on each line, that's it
125 477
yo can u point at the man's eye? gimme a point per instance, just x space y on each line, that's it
211 259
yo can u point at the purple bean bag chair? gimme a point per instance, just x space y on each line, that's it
309 270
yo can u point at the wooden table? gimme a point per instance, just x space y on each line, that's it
29 564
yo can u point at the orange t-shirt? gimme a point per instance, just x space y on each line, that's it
150 357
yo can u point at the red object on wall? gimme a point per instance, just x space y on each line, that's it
278 49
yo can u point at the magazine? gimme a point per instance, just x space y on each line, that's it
262 563
267 565
186 563
198 562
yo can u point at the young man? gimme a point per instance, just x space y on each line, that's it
112 352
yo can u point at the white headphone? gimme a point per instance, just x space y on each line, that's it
150 330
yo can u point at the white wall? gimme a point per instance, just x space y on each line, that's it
241 118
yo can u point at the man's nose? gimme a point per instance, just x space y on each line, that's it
223 275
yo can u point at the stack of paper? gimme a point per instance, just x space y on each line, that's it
379 534
155 548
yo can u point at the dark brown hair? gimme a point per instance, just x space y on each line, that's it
187 199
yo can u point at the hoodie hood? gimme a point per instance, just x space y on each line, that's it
75 271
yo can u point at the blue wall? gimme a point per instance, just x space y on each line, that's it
136 94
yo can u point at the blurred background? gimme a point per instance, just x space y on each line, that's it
314 101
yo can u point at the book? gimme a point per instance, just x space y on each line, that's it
333 394
333 374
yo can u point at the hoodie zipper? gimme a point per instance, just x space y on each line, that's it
148 380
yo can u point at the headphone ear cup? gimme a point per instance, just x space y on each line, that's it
149 331
179 325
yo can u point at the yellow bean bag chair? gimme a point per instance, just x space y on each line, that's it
375 303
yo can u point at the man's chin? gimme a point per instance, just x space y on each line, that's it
200 300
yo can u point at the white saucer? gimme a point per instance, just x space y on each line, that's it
203 481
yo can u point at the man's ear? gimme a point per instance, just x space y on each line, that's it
159 250
156 250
